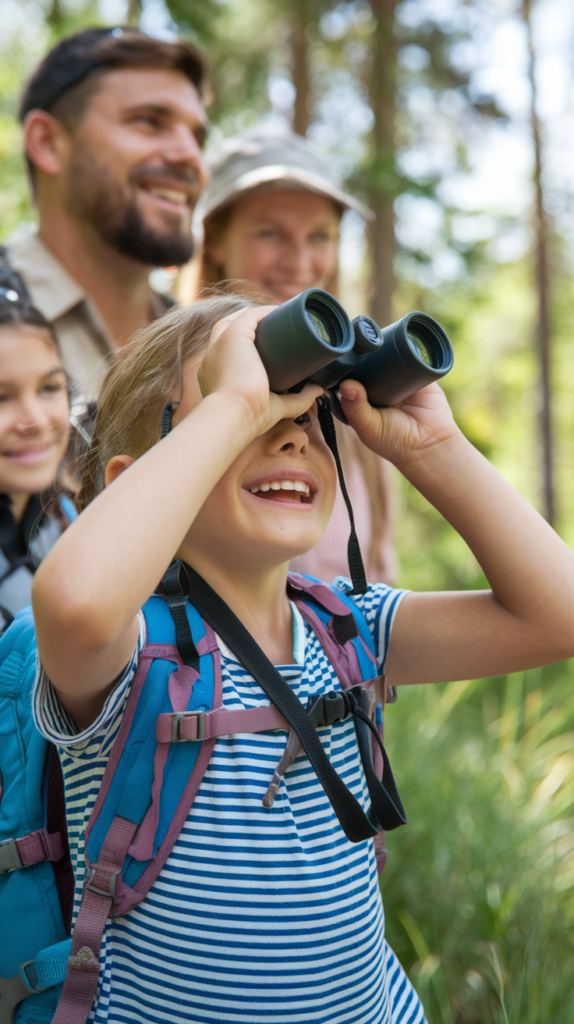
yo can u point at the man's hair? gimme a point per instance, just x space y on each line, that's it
70 73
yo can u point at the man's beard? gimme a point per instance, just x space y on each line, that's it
96 198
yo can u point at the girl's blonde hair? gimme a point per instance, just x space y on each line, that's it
142 380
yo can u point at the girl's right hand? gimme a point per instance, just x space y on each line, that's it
232 366
419 426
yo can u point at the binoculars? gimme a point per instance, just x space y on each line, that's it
310 338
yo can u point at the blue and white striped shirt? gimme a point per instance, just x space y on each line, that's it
259 917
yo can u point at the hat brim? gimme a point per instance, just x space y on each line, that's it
277 175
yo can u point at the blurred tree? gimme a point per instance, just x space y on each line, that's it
380 169
542 283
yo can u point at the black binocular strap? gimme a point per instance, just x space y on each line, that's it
384 796
356 567
357 825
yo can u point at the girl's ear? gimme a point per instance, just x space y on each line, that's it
116 466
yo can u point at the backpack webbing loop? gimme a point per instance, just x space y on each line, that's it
176 601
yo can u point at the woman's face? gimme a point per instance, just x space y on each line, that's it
283 241
34 410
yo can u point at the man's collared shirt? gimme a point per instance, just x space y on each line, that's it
85 344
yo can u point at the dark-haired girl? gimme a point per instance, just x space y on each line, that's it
34 432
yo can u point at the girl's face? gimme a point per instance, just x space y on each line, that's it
34 410
283 241
274 501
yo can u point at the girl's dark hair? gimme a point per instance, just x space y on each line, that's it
15 302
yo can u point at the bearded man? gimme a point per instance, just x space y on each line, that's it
114 126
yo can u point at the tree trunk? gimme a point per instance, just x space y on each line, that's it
133 12
382 84
543 329
300 67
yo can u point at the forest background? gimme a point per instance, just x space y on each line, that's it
453 120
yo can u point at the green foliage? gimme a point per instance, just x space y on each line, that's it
478 889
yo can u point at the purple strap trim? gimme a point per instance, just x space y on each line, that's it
128 898
40 846
369 653
347 670
179 687
381 852
220 722
321 592
98 897
143 668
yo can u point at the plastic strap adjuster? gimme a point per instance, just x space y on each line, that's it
176 718
10 859
110 893
27 972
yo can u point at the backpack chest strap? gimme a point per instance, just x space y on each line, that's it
179 727
33 848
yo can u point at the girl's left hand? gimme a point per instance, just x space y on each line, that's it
232 366
408 430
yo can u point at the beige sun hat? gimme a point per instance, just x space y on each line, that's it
258 159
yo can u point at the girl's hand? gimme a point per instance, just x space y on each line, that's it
405 431
232 366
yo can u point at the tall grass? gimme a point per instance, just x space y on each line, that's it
479 887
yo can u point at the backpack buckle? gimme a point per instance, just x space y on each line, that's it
176 718
10 859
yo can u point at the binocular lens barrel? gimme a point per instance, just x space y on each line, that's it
311 338
301 336
415 352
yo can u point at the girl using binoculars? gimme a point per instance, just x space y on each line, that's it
262 915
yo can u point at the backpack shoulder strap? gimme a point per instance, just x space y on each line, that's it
36 901
340 627
148 786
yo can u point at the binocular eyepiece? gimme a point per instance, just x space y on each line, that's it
310 338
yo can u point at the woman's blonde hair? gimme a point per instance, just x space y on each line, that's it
142 380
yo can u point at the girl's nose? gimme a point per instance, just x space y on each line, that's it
291 438
30 415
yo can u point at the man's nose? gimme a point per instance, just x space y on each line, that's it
184 149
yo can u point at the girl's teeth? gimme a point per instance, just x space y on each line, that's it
283 485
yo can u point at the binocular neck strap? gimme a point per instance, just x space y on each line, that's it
356 567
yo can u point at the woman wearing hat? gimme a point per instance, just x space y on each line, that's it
271 217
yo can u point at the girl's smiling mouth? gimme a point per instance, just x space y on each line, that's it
285 485
28 456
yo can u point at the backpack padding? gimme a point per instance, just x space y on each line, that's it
29 902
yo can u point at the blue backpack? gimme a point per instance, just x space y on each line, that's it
172 719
